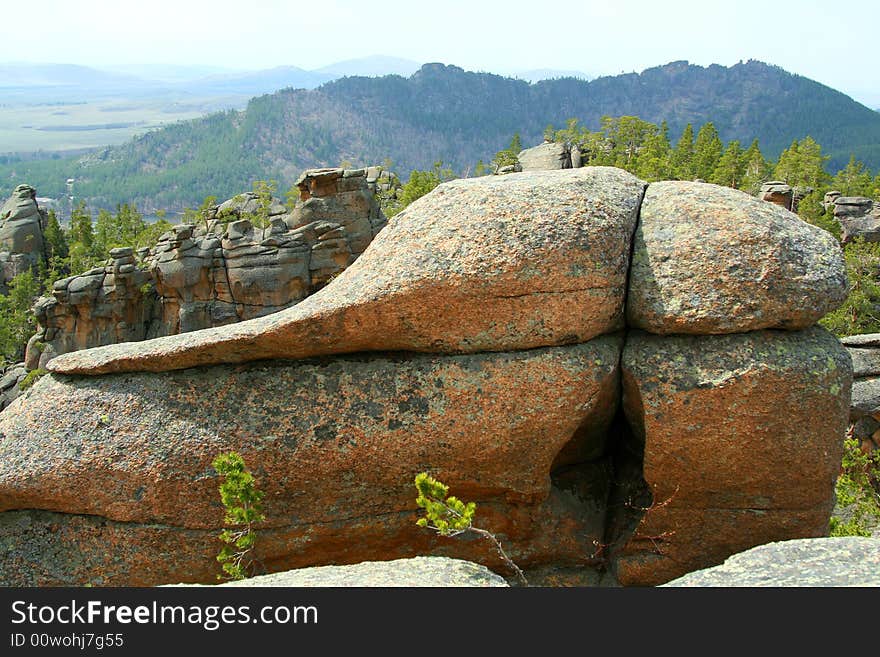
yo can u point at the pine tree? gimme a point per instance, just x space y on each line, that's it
755 169
16 320
682 163
54 236
106 233
515 144
802 165
654 161
626 135
707 151
81 227
853 180
729 171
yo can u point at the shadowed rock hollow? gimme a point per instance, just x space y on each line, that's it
513 289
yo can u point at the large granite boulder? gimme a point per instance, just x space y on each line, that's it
513 290
741 438
21 234
335 444
483 264
709 259
841 561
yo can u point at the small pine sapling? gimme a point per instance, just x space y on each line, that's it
449 516
242 501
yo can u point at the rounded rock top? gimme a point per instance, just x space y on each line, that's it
709 259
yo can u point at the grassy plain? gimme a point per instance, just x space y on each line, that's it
63 126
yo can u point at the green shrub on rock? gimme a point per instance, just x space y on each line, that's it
31 378
242 501
449 516
857 497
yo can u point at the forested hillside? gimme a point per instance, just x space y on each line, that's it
445 113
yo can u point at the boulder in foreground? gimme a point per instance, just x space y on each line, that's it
125 460
418 571
840 561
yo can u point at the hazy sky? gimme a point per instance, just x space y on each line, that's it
833 42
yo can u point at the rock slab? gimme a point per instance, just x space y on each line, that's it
742 442
839 561
482 264
335 444
417 571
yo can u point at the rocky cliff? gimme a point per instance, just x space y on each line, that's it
223 271
626 378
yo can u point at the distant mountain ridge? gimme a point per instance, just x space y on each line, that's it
144 80
443 112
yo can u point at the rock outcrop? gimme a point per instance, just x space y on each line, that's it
842 561
865 405
548 156
418 571
859 217
22 247
105 305
514 290
828 200
10 378
224 271
777 192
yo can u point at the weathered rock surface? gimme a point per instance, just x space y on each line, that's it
725 468
418 571
864 410
10 378
709 259
545 157
328 194
842 561
21 234
778 192
828 200
859 218
865 353
485 264
105 305
336 445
